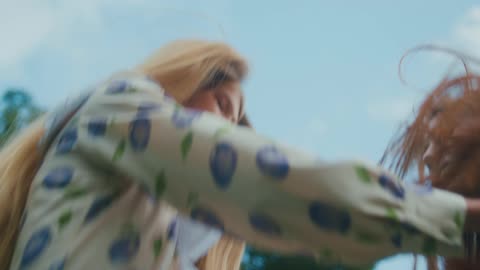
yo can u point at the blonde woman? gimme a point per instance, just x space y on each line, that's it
101 186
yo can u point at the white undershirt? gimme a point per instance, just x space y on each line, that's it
194 241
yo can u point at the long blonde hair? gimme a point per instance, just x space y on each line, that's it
182 67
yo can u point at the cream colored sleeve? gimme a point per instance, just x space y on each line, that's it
248 185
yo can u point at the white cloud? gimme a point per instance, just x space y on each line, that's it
429 66
78 42
23 28
464 37
466 34
28 24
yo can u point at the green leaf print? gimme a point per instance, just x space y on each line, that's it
64 219
327 254
459 220
128 230
160 184
222 131
75 192
131 89
186 144
120 150
111 122
367 237
157 247
192 199
391 213
363 174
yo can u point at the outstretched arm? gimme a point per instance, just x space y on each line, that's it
248 185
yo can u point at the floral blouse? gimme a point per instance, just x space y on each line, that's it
130 158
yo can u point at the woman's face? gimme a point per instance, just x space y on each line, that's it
451 172
224 99
435 161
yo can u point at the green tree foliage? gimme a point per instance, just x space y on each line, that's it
17 109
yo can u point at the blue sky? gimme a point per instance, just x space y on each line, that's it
324 73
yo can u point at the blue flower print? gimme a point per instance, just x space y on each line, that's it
397 240
59 265
147 107
98 206
207 217
58 178
124 248
97 127
171 231
117 87
67 141
60 115
329 218
183 118
223 162
409 228
394 188
272 162
264 224
37 244
140 129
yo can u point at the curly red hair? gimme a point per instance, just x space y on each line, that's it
455 106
